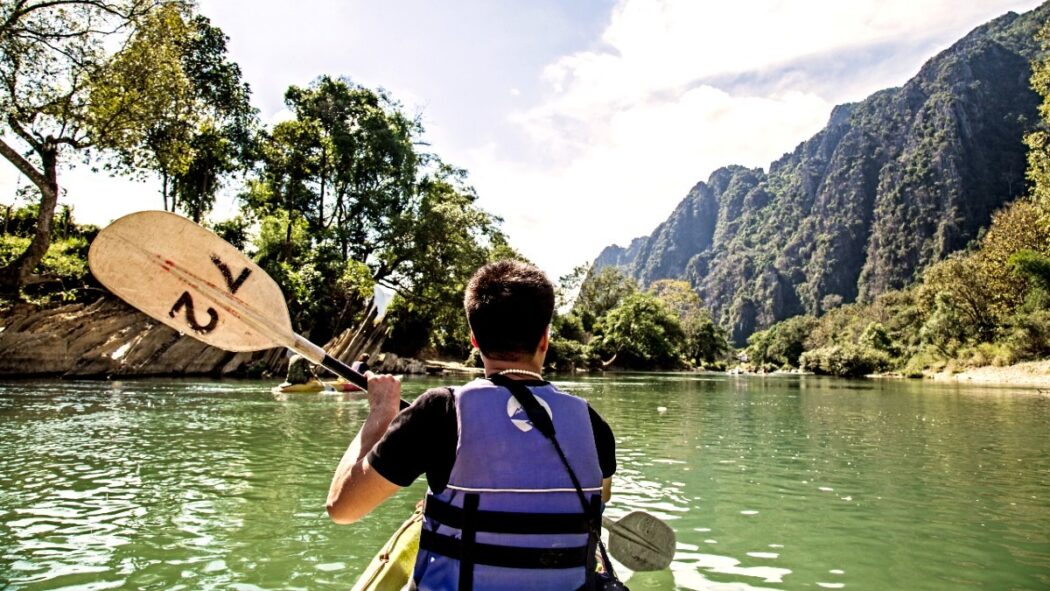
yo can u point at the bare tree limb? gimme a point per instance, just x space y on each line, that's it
24 166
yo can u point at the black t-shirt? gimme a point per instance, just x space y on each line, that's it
422 440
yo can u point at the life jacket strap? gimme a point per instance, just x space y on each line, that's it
504 556
468 548
506 522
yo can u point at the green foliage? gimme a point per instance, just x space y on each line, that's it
1033 266
568 350
236 231
957 283
568 326
705 341
1028 335
1038 141
170 102
844 360
565 355
640 333
62 273
876 337
600 293
781 344
946 329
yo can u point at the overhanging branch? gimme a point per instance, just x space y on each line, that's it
24 166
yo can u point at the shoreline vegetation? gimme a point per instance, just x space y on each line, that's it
344 199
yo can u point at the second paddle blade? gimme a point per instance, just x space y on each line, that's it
191 280
642 542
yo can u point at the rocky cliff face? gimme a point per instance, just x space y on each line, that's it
109 339
891 185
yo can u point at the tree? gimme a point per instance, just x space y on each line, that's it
1015 228
282 187
968 295
51 54
781 344
450 238
601 292
704 340
1038 141
347 165
365 165
190 120
640 333
945 329
1033 266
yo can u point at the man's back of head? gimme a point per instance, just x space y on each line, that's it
509 305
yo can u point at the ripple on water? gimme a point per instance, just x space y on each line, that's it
204 485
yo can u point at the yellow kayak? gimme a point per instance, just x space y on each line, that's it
392 568
314 386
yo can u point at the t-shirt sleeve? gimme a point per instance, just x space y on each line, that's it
604 442
407 448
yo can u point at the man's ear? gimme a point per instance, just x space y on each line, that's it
545 340
473 341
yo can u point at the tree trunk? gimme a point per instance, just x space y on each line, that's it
288 239
164 189
14 273
320 203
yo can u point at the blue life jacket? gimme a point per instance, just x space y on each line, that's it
510 517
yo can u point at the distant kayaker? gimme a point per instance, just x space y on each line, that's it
503 510
361 365
300 371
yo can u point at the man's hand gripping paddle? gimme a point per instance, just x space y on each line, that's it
190 279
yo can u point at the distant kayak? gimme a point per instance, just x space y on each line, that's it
392 567
315 386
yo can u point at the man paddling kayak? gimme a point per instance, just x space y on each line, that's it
515 498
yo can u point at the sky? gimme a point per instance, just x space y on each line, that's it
584 123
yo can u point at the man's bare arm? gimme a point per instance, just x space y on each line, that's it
357 488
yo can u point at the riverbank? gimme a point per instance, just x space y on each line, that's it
1028 374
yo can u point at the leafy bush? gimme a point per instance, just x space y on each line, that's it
565 355
845 360
1029 335
641 333
781 344
63 272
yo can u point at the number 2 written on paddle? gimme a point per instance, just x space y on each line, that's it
185 301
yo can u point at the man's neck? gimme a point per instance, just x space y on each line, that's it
494 366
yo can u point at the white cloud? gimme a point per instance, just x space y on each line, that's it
647 158
605 140
627 127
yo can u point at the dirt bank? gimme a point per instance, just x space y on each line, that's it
1030 373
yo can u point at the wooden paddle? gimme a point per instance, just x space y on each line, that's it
640 541
190 279
185 276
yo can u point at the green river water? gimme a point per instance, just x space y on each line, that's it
782 482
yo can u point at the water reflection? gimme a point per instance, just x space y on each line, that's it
770 483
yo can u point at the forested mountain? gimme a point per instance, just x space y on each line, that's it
893 184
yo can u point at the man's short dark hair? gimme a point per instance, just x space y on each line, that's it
509 306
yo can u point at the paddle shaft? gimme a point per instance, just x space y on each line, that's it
321 357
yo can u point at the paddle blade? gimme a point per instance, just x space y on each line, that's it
191 280
641 542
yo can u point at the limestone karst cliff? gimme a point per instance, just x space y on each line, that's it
892 184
